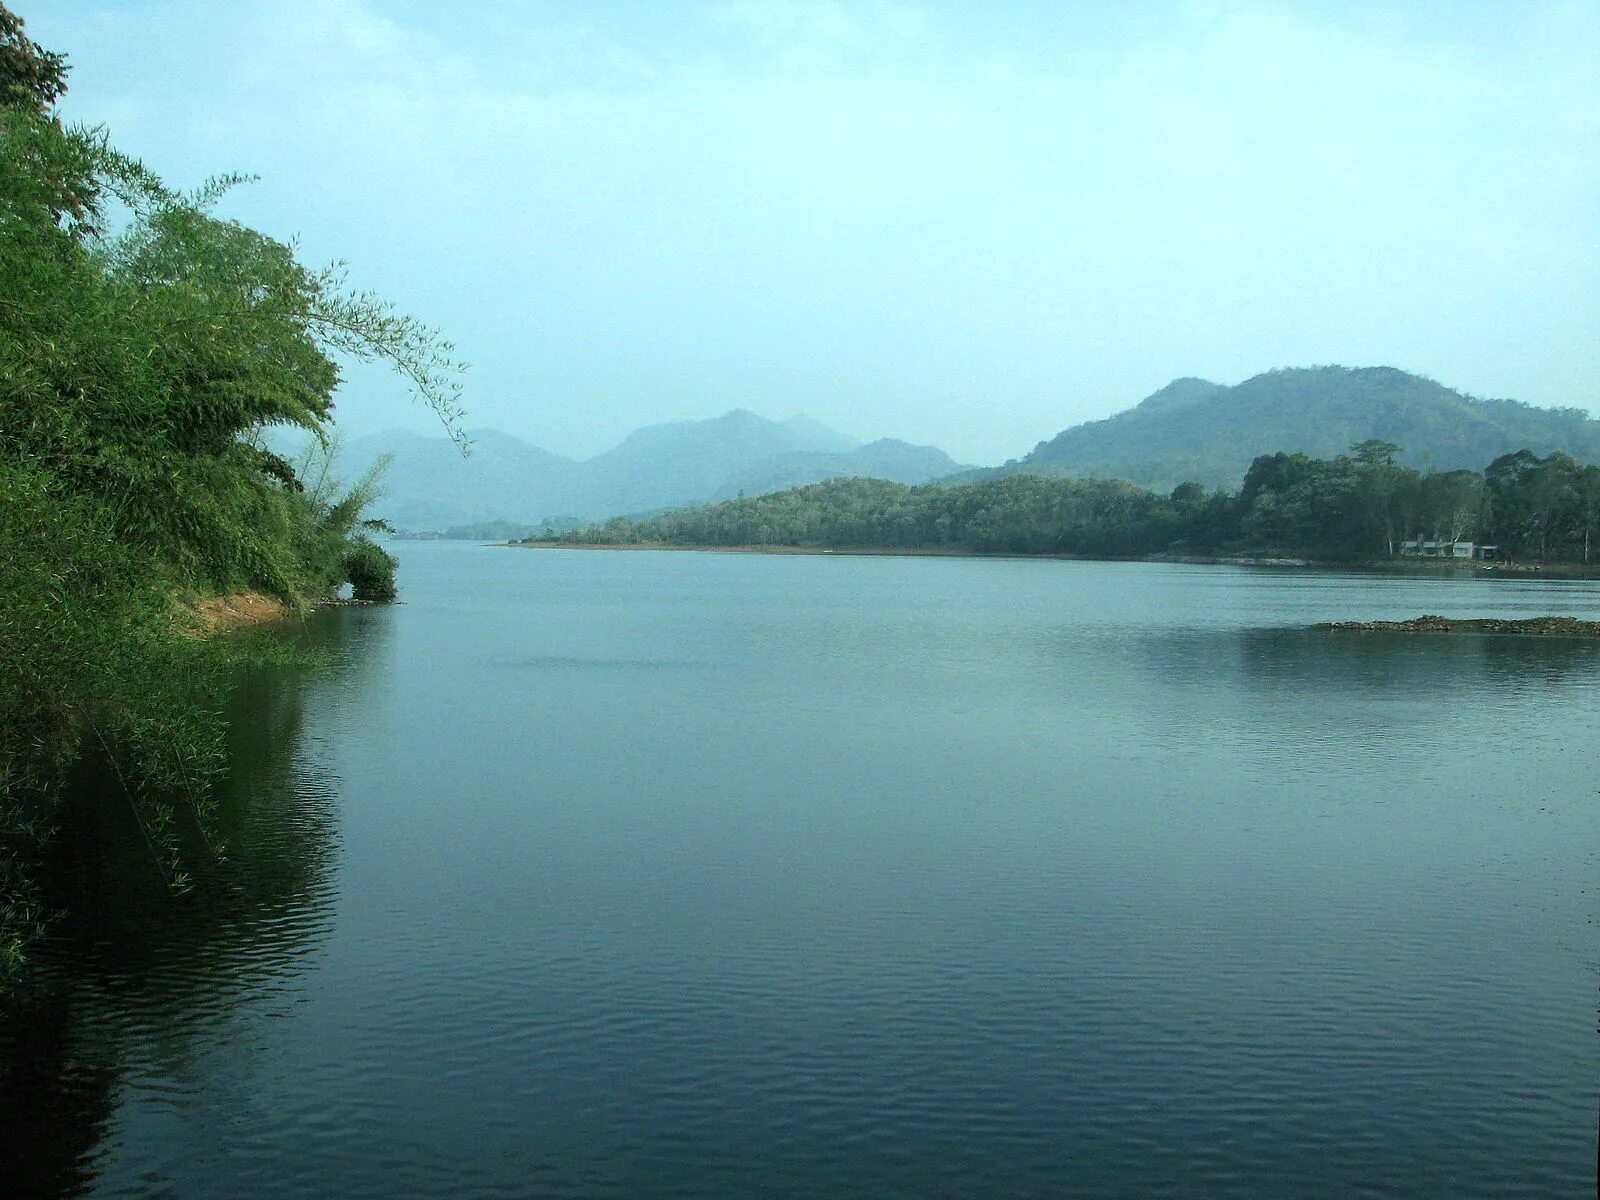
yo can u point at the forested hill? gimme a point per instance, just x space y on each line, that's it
1206 432
1545 509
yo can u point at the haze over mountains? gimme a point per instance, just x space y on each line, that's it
430 486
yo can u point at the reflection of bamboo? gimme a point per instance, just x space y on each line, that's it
127 792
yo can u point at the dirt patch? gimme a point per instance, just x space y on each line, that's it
1530 627
219 614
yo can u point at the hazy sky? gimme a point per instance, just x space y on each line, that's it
967 224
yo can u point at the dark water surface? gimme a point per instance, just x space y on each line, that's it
653 874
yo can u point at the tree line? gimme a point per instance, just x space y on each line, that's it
1356 506
145 346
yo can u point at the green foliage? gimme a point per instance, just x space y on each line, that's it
138 367
30 76
1307 505
1375 452
1021 515
1544 507
145 344
91 668
370 570
330 521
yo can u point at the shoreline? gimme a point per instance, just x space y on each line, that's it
214 616
1427 566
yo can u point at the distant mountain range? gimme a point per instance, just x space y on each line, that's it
430 487
1191 429
1201 431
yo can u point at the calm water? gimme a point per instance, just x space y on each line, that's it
645 875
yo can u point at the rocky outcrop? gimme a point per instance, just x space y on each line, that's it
1529 627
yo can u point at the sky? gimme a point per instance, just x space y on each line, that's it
970 225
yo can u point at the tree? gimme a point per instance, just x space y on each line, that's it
1294 501
1381 483
1588 507
31 77
1554 494
1451 504
1508 482
136 365
1375 452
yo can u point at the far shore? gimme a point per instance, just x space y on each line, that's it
1424 566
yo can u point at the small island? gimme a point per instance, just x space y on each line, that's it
1528 627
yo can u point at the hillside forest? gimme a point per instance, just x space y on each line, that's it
1355 506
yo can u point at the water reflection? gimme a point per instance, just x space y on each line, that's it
1318 659
1418 660
1193 671
133 975
56 1084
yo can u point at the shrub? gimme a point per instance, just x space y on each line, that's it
370 570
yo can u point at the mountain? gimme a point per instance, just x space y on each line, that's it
431 487
818 436
663 466
886 458
1195 430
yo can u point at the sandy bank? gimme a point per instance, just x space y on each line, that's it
243 610
222 614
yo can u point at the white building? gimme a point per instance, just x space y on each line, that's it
1420 549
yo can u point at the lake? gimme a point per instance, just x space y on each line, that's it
657 874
